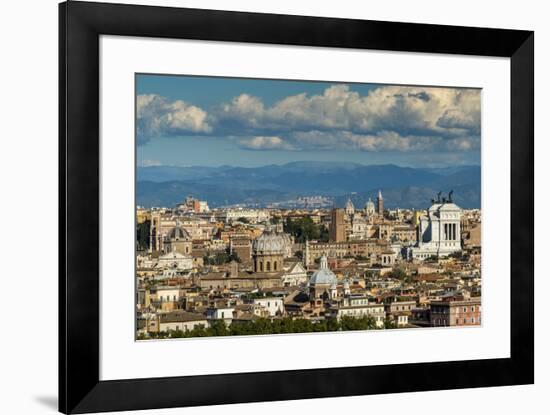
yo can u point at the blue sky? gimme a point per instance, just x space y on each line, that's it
188 120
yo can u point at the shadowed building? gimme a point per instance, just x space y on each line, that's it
242 247
456 313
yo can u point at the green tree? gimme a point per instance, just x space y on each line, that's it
198 331
398 273
357 323
332 324
389 323
176 334
305 229
370 275
218 328
220 258
323 233
142 234
277 326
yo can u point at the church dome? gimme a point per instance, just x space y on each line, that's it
270 243
178 233
323 275
369 204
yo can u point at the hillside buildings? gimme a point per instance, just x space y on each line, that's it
201 269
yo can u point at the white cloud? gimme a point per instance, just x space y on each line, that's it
265 143
406 110
149 163
382 141
158 116
388 118
245 107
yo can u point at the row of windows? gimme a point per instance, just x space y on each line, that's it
465 321
361 302
268 266
444 322
465 309
275 304
445 310
402 307
362 311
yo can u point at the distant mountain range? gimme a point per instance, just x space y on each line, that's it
404 187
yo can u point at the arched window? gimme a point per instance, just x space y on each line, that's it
268 266
261 266
275 266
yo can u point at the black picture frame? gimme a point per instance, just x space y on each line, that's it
80 25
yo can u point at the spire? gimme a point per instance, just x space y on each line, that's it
380 204
349 207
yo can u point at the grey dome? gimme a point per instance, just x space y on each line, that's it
270 242
323 275
178 233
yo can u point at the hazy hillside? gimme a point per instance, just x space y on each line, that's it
401 186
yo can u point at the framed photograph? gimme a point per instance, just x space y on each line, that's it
260 207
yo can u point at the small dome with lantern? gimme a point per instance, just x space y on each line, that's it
323 276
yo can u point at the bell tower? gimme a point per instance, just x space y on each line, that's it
380 204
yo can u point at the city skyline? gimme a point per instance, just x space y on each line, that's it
237 271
